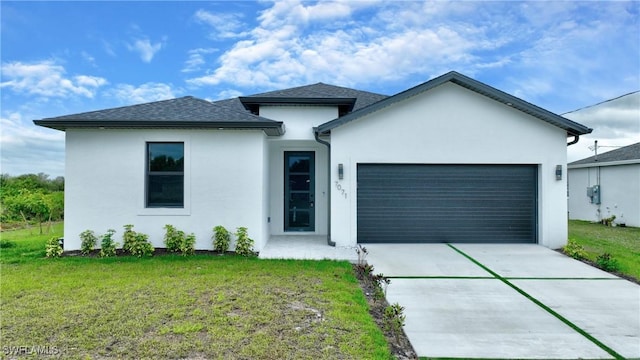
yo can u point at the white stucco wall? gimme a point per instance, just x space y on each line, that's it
619 193
450 125
225 179
299 120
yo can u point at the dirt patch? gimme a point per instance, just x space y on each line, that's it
399 344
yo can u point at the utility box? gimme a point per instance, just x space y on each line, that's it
593 192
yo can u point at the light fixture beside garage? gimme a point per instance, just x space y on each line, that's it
558 172
340 171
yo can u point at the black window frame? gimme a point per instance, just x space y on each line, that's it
173 173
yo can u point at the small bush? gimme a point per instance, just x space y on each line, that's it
5 244
53 248
393 319
609 221
362 253
574 250
607 263
244 244
221 239
128 238
141 245
187 246
107 245
380 284
173 238
89 240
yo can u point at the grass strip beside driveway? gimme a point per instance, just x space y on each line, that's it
542 305
211 307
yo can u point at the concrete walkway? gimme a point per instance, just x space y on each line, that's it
509 301
305 247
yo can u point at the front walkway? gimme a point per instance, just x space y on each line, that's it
307 247
508 301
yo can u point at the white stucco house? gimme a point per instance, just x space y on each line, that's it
606 185
450 160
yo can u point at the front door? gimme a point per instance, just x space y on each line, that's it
299 191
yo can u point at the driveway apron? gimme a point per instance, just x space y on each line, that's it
479 301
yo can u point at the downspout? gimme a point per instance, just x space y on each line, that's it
328 145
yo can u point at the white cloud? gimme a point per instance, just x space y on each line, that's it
46 78
129 94
225 25
615 123
376 45
30 149
145 48
196 59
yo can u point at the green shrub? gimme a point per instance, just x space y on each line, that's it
53 248
187 246
128 238
173 238
89 240
107 245
607 263
393 319
221 239
574 250
244 244
380 285
608 221
5 244
141 245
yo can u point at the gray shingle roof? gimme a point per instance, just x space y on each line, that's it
630 152
184 112
571 127
325 91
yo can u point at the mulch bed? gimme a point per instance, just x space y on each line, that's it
399 344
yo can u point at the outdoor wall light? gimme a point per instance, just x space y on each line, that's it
558 172
340 171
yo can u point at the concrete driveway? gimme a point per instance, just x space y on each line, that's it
508 301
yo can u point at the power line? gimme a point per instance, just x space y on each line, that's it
600 103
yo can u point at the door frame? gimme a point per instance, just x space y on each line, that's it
312 190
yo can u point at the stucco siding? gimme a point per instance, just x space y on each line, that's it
224 177
450 125
299 119
619 193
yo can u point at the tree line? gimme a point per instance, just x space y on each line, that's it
31 198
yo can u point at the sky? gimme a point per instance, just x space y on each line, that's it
60 58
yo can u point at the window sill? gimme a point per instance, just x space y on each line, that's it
159 211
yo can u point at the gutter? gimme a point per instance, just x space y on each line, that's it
328 145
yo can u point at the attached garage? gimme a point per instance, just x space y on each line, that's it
400 203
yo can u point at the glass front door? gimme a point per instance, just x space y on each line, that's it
299 191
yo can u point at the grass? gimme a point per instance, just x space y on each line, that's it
217 307
623 243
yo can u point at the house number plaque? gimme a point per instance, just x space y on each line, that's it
340 189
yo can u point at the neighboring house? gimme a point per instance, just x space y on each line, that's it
606 185
450 160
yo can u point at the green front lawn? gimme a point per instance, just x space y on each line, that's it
214 307
623 243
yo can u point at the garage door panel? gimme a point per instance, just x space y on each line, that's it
447 203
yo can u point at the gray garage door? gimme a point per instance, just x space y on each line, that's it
447 203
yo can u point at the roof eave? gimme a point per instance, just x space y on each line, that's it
271 128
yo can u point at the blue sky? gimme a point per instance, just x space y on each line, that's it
61 58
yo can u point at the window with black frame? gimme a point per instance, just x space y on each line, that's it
165 174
